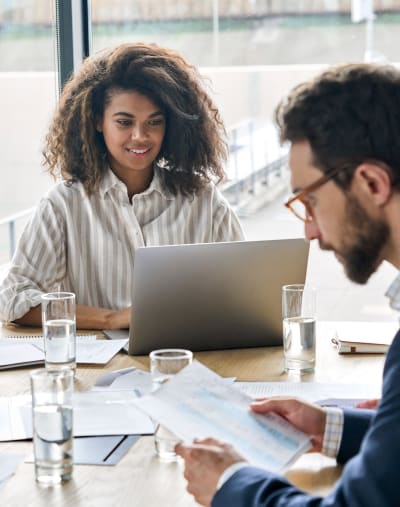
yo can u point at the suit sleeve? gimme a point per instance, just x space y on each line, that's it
370 478
355 425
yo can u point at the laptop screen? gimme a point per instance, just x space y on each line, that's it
214 295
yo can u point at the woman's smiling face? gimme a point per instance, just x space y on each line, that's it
133 127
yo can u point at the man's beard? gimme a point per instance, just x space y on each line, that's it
363 240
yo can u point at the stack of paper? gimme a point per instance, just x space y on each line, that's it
95 413
104 450
29 351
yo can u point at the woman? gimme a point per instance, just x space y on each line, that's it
139 145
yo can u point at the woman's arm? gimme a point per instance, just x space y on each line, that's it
87 317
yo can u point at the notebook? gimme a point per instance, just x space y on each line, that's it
212 295
364 337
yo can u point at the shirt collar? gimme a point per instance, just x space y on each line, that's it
111 181
393 293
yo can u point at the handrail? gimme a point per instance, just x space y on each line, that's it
244 138
10 220
16 216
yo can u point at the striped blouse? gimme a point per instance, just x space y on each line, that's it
86 245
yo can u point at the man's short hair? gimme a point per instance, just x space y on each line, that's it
349 114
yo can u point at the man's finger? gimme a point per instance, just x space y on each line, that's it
208 441
182 450
371 404
278 405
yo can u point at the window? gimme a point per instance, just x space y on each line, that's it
27 99
254 51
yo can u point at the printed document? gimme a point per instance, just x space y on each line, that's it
199 403
130 379
29 351
8 466
310 391
95 414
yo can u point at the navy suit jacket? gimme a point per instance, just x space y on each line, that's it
370 445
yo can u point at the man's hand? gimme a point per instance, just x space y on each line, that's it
205 461
371 404
308 418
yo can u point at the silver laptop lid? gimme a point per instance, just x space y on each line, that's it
213 296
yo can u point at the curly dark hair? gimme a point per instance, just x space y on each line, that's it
194 147
349 114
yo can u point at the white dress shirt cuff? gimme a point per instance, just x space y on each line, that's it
230 471
333 432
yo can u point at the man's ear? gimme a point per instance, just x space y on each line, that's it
373 182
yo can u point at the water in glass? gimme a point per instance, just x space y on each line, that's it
53 443
60 343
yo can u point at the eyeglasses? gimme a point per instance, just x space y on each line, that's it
298 204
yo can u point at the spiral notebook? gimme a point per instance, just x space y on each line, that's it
19 351
364 337
20 354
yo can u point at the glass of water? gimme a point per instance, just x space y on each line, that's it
299 327
59 330
164 364
52 424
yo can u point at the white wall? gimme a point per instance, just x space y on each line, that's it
254 91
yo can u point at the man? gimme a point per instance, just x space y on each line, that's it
344 130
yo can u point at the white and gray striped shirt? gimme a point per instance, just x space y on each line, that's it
86 245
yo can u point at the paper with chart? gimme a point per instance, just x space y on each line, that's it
199 403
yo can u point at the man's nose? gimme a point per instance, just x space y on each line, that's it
311 230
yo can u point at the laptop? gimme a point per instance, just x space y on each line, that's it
210 296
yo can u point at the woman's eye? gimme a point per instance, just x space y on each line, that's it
124 123
156 121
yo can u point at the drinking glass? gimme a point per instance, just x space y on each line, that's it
299 327
52 424
59 330
164 364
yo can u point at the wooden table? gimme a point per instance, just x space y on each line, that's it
140 479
